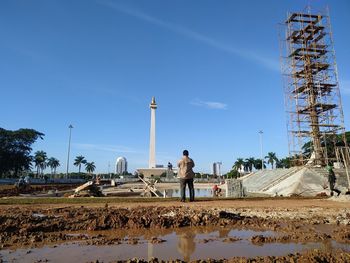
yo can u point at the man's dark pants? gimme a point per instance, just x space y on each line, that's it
332 188
183 183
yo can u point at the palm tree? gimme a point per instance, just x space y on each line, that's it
258 164
245 166
271 158
53 163
40 161
79 160
250 162
90 167
284 163
238 164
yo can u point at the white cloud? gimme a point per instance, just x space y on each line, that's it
105 148
210 104
267 62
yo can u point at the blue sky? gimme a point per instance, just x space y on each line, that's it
213 67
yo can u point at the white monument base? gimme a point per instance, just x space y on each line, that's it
148 172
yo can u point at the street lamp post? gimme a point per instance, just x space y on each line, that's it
261 149
70 135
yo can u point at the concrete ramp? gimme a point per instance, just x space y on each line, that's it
304 181
262 180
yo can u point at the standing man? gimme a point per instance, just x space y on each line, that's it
331 180
186 175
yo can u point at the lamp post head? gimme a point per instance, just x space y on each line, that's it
153 104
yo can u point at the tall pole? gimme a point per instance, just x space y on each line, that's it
70 135
261 149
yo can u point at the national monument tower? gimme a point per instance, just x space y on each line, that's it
152 140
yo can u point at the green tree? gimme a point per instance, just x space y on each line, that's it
239 163
258 164
232 174
307 149
197 175
329 141
250 162
271 158
53 163
79 160
40 158
90 167
284 163
15 149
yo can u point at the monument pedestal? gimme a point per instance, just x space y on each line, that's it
148 172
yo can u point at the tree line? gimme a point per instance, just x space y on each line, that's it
247 165
16 158
329 142
42 162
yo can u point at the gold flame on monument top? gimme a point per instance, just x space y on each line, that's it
153 104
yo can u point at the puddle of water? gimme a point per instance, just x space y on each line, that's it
197 192
185 244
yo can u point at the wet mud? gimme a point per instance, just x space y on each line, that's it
6 191
29 227
311 256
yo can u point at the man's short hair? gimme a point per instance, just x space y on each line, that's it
185 152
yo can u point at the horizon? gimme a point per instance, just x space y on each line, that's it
96 65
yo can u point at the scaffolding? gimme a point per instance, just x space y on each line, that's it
315 120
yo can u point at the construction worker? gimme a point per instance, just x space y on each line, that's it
331 180
216 190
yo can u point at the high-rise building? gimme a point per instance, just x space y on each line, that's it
121 165
216 168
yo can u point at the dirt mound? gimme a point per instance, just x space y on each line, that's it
9 192
27 226
73 219
35 189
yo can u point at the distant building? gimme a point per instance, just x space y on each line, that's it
216 169
121 165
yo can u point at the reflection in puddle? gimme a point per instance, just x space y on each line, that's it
198 192
185 243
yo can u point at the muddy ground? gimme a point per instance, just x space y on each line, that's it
297 220
10 190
